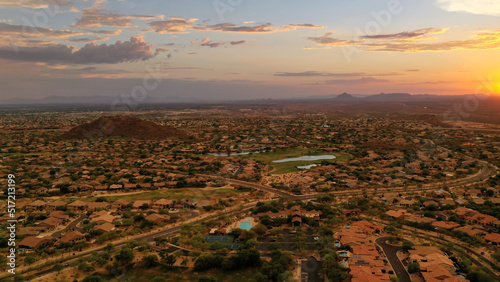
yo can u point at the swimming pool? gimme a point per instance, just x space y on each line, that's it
245 225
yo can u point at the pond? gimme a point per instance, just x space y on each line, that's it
307 166
306 158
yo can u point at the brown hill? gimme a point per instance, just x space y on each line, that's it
123 126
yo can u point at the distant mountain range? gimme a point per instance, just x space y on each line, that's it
117 101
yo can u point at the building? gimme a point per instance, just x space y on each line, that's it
158 218
73 237
119 204
77 206
35 243
162 204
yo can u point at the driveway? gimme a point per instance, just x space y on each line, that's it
391 253
70 227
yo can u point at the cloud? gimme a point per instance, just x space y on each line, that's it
295 26
316 47
35 32
207 42
229 27
478 7
161 50
95 17
482 41
411 35
317 73
393 42
431 82
88 39
36 4
183 25
237 42
108 32
174 25
412 70
134 50
363 80
330 41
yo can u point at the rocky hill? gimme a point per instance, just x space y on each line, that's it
123 126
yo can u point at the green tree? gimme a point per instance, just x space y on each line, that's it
29 259
150 261
259 229
58 267
413 267
169 260
125 256
407 246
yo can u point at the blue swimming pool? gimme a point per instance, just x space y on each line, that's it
245 225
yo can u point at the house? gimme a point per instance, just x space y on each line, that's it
30 231
77 206
461 211
368 274
119 204
430 203
52 206
115 187
140 204
365 250
72 237
50 223
185 204
448 225
94 206
484 220
398 214
353 212
314 214
471 230
101 217
352 236
36 206
474 193
105 227
426 256
492 238
406 203
441 194
368 227
440 273
162 204
35 243
158 218
59 215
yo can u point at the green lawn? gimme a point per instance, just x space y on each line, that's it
287 167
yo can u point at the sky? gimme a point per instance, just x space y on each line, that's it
246 49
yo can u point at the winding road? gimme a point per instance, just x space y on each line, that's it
391 252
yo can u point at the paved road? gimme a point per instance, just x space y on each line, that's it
391 253
70 227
